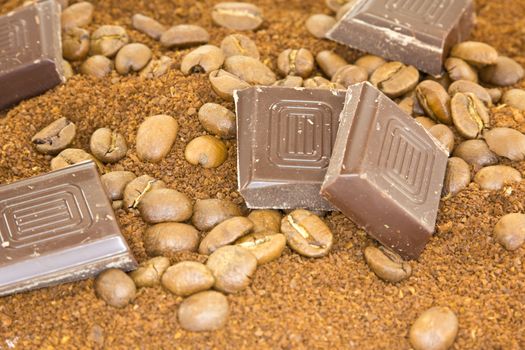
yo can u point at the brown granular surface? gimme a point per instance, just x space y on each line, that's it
293 303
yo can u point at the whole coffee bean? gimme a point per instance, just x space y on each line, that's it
495 95
217 120
306 233
434 329
137 188
97 66
237 15
458 69
475 53
329 62
204 311
187 278
370 63
320 213
266 220
296 62
239 45
233 268
155 137
504 72
108 146
444 135
349 75
207 213
77 15
115 288
149 273
407 105
387 265
434 100
319 24
224 83
75 44
510 231
107 40
132 58
55 137
506 142
395 79
68 70
225 233
514 98
184 35
457 176
494 177
165 204
70 156
469 114
115 182
466 86
203 59
265 245
157 68
321 83
290 81
206 151
475 153
250 70
148 26
426 122
169 238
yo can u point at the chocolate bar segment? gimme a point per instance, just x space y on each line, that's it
415 32
386 171
284 143
30 51
56 228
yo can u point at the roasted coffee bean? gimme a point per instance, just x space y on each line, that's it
458 69
157 68
207 213
444 135
349 75
132 58
115 182
164 205
233 268
184 35
115 288
68 70
107 145
387 265
296 62
148 26
426 122
494 177
434 329
237 15
407 105
345 8
504 72
155 137
55 137
239 45
77 15
206 151
329 62
97 66
475 153
510 231
335 5
395 79
370 62
266 220
204 311
224 83
306 233
506 142
290 81
75 44
137 188
465 86
203 59
107 40
434 100
217 120
225 233
469 114
495 95
250 70
265 245
475 53
187 278
70 156
514 98
149 273
321 83
457 176
319 24
169 238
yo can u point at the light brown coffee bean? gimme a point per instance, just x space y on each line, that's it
203 59
469 114
457 176
187 278
165 204
370 63
266 220
169 238
495 95
107 40
68 70
510 231
132 58
465 86
475 53
319 24
322 83
70 156
77 15
204 311
395 79
458 69
434 329
426 122
97 66
407 105
149 273
494 177
233 268
289 81
506 142
335 5
475 153
296 62
514 98
217 120
75 44
224 83
250 70
349 75
237 15
157 68
207 213
329 62
239 45
504 72
387 265
148 26
265 245
206 151
155 137
115 182
184 35
225 233
137 188
306 233
55 137
444 135
115 288
434 100
107 145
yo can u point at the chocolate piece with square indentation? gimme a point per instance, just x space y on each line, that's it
56 228
415 32
284 143
386 171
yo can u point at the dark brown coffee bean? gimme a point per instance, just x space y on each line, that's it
237 15
465 86
475 153
504 72
349 75
204 311
290 81
187 278
203 59
75 44
137 188
434 329
207 213
233 268
296 62
164 204
55 137
77 15
149 273
225 233
458 69
469 114
494 177
169 238
224 83
206 151
184 35
250 70
265 245
444 135
157 68
510 231
395 79
107 145
239 45
322 83
495 95
329 62
132 58
70 156
319 24
217 120
155 137
514 98
107 40
387 265
97 66
68 70
426 122
475 53
457 176
115 182
370 62
266 220
506 142
115 288
434 100
148 26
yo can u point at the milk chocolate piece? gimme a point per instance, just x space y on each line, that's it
386 171
415 32
30 51
284 143
56 228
